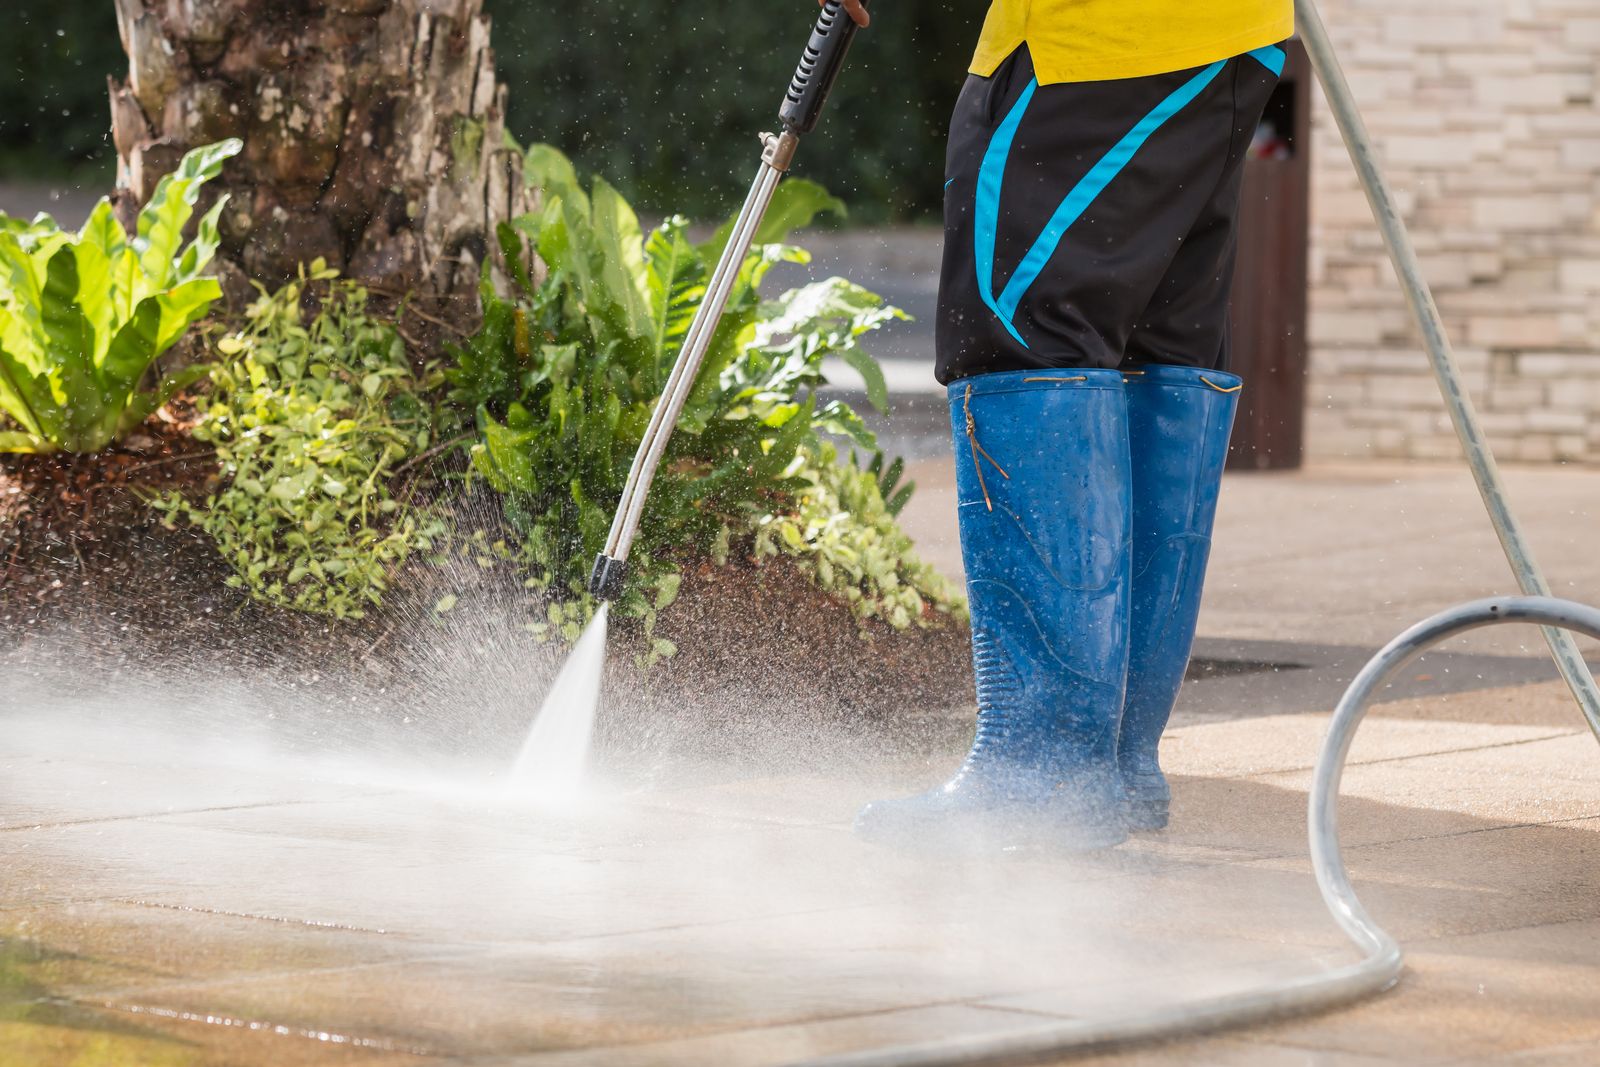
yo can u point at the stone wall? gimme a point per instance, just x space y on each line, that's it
1485 116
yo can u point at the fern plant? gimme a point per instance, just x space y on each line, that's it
84 315
564 378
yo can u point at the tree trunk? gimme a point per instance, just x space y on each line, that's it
373 131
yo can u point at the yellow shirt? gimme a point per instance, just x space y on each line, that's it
1102 40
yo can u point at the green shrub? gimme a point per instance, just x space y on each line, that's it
83 316
310 421
564 379
842 531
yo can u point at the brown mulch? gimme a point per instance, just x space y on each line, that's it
60 506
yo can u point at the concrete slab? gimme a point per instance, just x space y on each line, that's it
733 919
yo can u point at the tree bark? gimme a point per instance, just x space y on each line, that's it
373 131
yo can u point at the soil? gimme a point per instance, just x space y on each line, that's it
96 593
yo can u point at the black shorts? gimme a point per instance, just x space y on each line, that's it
1092 224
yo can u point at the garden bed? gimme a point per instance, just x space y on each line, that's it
313 516
97 592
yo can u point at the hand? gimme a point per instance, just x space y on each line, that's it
857 11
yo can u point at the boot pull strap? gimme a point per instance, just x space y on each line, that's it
979 450
1219 388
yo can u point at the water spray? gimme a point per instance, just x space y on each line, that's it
550 768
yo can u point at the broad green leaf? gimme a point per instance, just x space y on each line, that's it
102 229
795 204
11 441
677 282
22 393
132 349
78 390
897 503
507 465
619 244
549 170
197 257
667 590
182 306
872 374
161 221
23 293
838 418
95 294
512 251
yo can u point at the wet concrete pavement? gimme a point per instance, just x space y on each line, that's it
170 905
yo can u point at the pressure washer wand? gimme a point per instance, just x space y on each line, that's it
802 105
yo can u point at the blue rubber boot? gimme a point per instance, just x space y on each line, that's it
1179 421
1042 481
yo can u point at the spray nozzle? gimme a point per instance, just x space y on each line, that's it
607 577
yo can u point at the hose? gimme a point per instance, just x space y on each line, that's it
1379 967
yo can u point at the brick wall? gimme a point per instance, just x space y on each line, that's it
1485 116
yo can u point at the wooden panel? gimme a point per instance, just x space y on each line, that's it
1268 314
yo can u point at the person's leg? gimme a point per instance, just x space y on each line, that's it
1179 421
1180 414
1064 208
1042 488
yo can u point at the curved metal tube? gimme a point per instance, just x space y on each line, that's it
1326 858
1379 967
1341 101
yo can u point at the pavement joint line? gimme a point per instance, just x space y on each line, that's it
1377 760
68 902
322 1037
209 983
833 1017
1279 855
1539 1051
733 1028
505 948
157 815
1535 825
1420 941
980 1002
280 919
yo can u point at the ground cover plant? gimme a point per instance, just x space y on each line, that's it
84 315
310 421
563 377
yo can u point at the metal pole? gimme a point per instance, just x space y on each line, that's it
606 581
1459 404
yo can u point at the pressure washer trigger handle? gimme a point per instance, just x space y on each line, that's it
819 65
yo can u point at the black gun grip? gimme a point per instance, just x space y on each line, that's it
819 66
